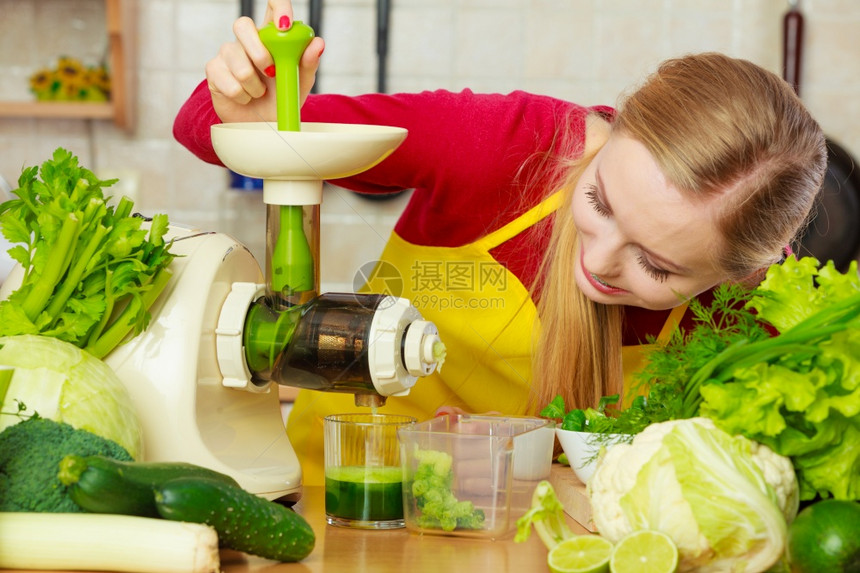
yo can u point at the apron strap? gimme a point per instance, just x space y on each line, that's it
597 130
673 320
521 223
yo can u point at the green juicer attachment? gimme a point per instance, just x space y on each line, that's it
286 48
268 330
292 262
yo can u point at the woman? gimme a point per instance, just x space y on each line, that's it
549 241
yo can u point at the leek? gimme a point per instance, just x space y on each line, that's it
93 542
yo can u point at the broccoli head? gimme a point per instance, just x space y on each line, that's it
30 454
440 508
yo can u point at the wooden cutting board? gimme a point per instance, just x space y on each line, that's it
571 493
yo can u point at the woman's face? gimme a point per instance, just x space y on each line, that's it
641 242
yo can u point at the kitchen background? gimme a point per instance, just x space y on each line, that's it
588 51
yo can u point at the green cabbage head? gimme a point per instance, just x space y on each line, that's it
725 500
60 381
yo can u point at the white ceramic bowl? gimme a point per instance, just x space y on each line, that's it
583 448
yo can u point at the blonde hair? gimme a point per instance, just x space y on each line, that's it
715 125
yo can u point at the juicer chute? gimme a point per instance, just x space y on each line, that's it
293 166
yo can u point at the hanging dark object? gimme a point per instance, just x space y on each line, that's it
383 18
315 22
834 231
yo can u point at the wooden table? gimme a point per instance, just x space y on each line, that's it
353 550
341 549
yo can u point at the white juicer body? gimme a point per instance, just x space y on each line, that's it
171 370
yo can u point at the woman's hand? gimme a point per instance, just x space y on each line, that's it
241 76
474 459
457 411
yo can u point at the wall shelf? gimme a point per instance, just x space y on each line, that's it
120 108
60 109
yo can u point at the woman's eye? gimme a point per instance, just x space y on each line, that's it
594 201
655 273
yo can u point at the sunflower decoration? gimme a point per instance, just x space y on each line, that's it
70 80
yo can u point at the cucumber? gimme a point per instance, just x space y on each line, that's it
99 484
244 521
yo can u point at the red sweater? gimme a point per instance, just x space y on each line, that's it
462 157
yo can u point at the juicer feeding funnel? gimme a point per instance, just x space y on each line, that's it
294 164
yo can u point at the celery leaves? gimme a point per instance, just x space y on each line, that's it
546 515
91 270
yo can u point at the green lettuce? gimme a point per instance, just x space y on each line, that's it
797 289
799 392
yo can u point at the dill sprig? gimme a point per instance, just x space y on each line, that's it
658 391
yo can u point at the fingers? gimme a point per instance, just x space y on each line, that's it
308 66
450 411
280 12
240 76
233 75
248 37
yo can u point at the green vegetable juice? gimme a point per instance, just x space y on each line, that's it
364 494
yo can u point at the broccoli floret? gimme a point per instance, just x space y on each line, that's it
475 520
30 454
440 508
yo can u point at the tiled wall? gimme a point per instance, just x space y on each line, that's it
585 50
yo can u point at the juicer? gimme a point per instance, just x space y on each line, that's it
225 333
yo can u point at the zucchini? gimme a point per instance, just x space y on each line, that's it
99 484
244 521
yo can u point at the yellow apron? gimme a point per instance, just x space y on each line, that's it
633 357
485 318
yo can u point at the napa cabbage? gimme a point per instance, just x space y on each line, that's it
724 500
60 381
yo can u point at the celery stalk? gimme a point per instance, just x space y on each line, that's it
546 515
57 263
127 319
76 272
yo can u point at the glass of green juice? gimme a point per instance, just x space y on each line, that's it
363 474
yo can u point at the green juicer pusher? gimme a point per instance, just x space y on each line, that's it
291 266
286 48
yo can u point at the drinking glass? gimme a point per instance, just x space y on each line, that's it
363 474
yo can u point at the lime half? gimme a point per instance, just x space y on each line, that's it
644 551
583 554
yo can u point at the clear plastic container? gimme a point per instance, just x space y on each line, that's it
472 475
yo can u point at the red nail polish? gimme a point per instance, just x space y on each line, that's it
270 71
284 23
321 52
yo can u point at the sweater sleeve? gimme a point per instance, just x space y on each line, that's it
192 123
459 139
463 154
453 137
